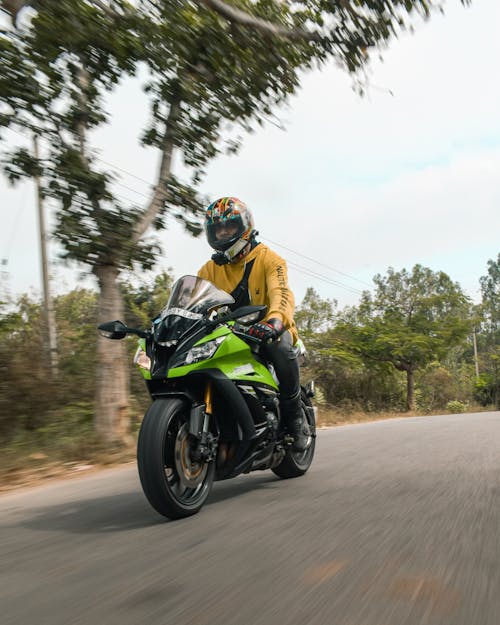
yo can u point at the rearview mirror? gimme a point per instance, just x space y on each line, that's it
113 330
249 314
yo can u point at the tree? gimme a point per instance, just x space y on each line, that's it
314 314
410 320
144 301
34 401
208 65
487 389
28 395
54 74
490 290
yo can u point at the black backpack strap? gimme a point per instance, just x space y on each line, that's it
240 292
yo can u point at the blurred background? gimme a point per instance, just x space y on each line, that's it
367 144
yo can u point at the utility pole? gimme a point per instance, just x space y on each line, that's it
50 338
474 342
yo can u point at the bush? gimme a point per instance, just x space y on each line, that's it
487 390
435 388
456 407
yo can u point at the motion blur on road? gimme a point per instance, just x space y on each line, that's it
396 523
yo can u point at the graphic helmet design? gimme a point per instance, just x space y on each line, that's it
228 226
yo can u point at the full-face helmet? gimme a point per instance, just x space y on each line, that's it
229 226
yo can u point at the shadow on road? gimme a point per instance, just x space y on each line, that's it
240 486
126 511
112 513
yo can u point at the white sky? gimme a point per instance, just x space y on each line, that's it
356 184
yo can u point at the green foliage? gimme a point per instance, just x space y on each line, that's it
441 382
415 323
145 300
456 407
435 388
409 321
30 401
66 437
490 289
368 388
76 322
346 381
67 430
208 75
28 393
208 78
25 392
487 390
314 314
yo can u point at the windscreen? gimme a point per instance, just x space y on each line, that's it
191 298
195 295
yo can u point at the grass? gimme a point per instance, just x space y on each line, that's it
65 445
25 463
328 417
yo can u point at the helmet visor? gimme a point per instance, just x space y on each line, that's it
222 234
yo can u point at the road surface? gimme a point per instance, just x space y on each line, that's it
396 523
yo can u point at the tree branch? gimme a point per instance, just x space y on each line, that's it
265 27
82 79
14 7
160 192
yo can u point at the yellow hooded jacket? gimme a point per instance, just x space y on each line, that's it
267 283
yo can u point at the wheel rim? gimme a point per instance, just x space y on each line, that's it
303 458
186 480
191 474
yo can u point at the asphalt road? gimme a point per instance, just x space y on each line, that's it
397 522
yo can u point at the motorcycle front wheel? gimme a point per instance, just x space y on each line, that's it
174 484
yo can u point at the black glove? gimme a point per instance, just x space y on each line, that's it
268 330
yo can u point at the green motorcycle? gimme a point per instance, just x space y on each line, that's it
215 411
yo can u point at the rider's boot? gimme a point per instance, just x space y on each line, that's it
293 417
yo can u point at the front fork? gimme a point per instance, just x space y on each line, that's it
204 444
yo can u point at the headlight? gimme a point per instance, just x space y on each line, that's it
142 360
204 351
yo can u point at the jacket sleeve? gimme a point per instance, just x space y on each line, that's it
281 299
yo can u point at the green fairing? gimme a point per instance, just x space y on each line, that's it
231 354
146 374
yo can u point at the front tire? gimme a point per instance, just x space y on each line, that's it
296 463
175 486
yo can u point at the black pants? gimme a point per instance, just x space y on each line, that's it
284 358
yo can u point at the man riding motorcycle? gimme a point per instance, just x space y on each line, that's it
254 275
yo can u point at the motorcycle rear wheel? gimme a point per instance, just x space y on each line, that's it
174 485
296 463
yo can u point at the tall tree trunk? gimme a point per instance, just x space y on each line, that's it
410 389
112 419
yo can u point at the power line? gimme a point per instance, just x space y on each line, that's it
130 189
264 238
148 182
295 265
318 276
318 262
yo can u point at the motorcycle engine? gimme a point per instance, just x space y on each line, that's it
272 422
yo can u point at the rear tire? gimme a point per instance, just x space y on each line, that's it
296 463
175 486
